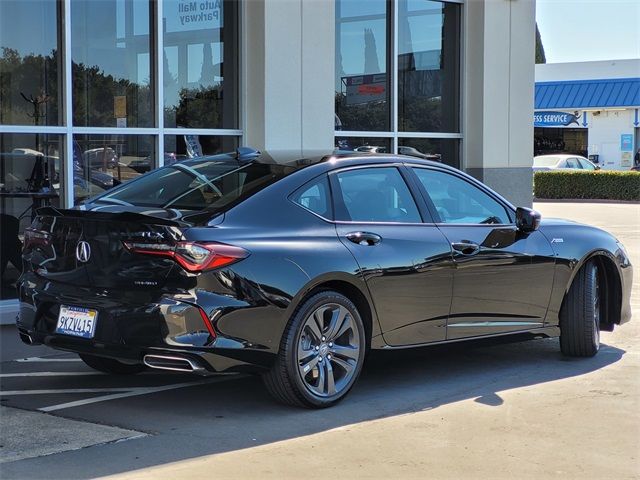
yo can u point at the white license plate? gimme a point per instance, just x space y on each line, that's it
77 321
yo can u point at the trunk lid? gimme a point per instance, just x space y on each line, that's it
86 248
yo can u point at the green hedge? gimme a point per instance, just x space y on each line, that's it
601 184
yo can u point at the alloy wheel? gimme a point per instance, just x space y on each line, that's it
328 350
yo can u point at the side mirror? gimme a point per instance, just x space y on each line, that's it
527 220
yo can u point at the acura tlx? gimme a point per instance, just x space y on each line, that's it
295 270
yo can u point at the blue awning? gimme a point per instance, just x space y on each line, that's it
619 92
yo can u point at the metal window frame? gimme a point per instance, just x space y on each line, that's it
158 132
394 134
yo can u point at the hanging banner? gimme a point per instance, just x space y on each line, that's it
555 119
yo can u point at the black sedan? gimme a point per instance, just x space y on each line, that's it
237 263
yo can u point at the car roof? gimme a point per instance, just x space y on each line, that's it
331 159
559 155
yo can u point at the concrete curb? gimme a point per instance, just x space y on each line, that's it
584 200
8 311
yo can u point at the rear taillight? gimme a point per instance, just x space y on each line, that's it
192 256
36 238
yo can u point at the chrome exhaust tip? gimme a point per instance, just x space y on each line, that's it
174 364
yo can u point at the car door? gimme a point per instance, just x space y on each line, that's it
503 278
405 260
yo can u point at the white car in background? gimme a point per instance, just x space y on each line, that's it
562 162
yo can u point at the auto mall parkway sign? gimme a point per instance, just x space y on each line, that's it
183 15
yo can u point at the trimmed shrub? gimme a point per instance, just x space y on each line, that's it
600 184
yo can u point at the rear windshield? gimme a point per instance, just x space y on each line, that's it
197 185
545 161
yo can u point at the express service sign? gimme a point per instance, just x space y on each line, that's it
555 119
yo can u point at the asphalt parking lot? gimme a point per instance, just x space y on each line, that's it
517 410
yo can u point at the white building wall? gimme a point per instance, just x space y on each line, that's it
556 72
605 130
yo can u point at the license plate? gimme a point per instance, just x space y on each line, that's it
77 321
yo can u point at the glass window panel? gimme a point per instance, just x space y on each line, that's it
29 179
458 201
443 150
101 162
315 196
428 66
362 84
184 147
30 64
363 144
200 62
375 195
112 74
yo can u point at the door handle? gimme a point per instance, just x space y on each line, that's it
466 248
364 238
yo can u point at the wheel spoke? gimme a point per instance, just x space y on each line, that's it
307 366
339 317
347 352
305 355
344 364
314 324
331 384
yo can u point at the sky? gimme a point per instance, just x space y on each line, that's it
585 30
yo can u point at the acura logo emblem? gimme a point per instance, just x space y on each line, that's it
83 251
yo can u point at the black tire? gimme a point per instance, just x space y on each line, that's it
286 382
110 365
580 314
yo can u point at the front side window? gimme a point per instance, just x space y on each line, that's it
586 165
458 201
374 195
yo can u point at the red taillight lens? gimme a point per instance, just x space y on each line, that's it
207 323
35 238
192 256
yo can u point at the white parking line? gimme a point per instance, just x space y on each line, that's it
136 392
12 393
48 374
44 359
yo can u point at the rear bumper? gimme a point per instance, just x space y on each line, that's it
131 325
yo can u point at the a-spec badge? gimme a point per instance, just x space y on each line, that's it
557 240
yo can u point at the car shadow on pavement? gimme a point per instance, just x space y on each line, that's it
239 414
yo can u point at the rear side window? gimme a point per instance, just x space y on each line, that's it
374 195
458 201
315 196
573 163
207 184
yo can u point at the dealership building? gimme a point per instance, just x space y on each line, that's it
96 92
590 109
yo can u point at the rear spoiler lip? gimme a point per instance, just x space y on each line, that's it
121 216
